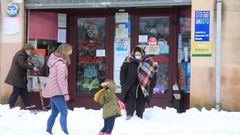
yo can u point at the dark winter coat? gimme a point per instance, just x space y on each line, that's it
17 75
129 79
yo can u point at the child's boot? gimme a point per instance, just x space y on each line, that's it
101 133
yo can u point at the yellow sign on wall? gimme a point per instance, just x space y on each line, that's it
201 49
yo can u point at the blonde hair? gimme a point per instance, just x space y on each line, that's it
63 50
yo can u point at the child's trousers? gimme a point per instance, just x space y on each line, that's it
108 125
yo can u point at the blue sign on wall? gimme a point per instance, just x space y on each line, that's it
202 21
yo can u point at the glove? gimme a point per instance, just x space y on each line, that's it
35 69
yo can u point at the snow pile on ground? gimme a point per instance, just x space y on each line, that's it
156 121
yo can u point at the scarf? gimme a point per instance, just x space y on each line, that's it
146 70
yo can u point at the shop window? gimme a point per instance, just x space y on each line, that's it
39 59
184 47
154 37
91 53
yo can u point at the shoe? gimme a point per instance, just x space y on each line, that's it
128 117
11 106
101 133
30 107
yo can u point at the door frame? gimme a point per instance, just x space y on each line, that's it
162 100
82 99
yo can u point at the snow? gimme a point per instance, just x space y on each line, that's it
156 121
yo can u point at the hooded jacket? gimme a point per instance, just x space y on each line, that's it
17 75
57 83
108 99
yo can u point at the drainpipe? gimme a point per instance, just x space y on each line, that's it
218 55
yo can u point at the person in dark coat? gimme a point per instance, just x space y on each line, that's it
137 79
17 76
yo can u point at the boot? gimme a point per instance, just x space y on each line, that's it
101 133
107 134
128 117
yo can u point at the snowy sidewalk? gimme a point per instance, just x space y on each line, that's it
156 121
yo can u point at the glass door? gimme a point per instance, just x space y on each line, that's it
154 36
91 60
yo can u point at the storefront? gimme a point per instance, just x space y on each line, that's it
103 34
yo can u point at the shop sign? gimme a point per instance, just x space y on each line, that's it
202 21
152 41
202 45
12 9
202 49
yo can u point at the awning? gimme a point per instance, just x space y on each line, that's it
57 4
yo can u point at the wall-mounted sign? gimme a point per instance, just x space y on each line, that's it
202 23
201 49
12 9
202 45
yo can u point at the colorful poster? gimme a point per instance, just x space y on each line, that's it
38 60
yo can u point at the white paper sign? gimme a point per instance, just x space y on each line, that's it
186 54
100 53
142 38
11 25
62 20
121 17
17 1
62 33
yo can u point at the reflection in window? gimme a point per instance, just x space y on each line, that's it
91 40
157 27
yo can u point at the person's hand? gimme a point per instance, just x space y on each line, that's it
35 69
66 97
104 84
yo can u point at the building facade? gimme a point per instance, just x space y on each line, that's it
104 33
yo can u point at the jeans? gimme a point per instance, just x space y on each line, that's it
22 92
58 105
108 125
